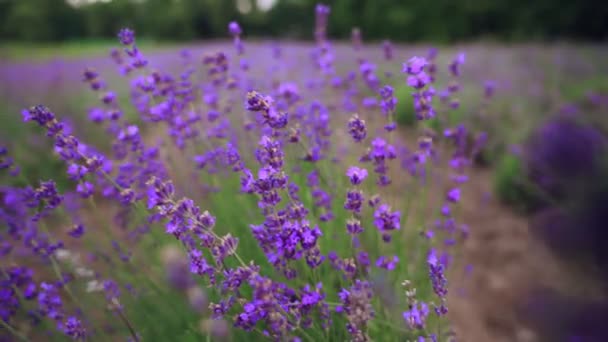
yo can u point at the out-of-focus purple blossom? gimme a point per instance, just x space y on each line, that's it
354 227
49 301
85 189
126 36
489 88
456 63
385 220
321 17
257 102
289 233
354 201
438 280
388 263
414 65
97 115
419 80
453 195
234 28
357 128
5 161
357 307
387 47
416 317
74 328
356 175
389 102
76 231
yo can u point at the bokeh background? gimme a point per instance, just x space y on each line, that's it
535 81
407 20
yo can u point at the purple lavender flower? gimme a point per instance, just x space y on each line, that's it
357 307
357 128
85 189
234 28
489 87
76 231
387 47
49 301
416 317
224 248
257 102
270 153
414 65
388 263
198 264
423 104
48 193
356 175
9 301
438 280
385 220
126 36
200 113
419 80
389 102
354 201
44 117
74 328
97 115
354 227
456 63
453 195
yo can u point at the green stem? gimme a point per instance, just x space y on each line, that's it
128 324
305 334
391 325
13 331
57 269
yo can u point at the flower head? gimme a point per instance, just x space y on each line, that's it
456 63
414 65
385 220
357 128
454 195
234 28
356 175
126 36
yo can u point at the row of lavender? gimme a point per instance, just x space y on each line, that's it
299 295
322 223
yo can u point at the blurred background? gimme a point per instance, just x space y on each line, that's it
535 81
399 20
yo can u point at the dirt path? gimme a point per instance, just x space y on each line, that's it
507 262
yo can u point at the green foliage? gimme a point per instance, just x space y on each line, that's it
490 153
404 111
29 153
445 119
512 186
406 20
575 92
39 20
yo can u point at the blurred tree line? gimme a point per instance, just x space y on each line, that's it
405 20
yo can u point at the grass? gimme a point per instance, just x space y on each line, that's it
24 51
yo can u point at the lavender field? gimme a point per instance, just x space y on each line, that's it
290 191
